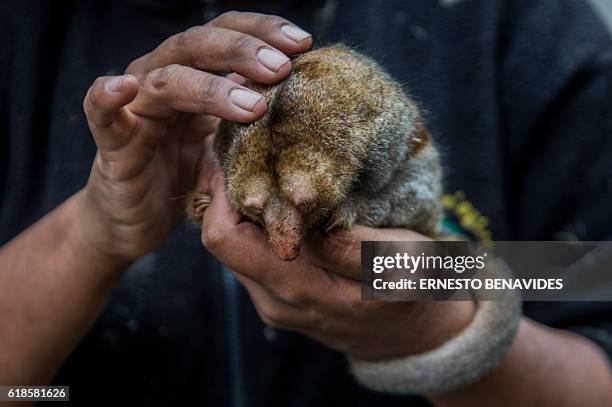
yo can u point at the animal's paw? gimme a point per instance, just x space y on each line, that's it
342 218
196 204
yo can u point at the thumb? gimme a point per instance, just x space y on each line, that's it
110 122
340 252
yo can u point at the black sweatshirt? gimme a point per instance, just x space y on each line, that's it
518 95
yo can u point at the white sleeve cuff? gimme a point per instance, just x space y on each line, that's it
457 363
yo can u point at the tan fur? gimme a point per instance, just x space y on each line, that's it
341 143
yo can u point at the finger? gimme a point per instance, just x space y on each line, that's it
210 176
103 106
240 245
340 252
323 316
243 248
177 88
275 30
273 311
217 191
202 126
220 50
195 151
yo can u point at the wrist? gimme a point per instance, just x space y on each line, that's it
436 322
462 359
426 325
88 239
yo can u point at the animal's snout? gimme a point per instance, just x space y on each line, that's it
285 226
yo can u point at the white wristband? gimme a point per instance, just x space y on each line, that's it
461 361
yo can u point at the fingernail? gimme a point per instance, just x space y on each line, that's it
244 99
114 85
273 60
294 34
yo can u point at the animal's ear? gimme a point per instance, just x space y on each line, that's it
257 191
298 187
419 140
309 175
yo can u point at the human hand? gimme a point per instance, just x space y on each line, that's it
319 294
149 125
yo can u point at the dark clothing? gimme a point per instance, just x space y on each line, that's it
518 95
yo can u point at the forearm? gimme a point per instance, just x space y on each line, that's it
544 367
52 287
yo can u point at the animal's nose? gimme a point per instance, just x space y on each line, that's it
284 225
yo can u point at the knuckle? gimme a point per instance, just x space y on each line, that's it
228 15
92 99
186 37
132 67
184 42
268 20
212 237
87 104
243 45
313 318
272 315
132 128
209 90
342 246
136 66
158 79
98 83
291 295
353 300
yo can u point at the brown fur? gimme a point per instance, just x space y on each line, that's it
341 143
